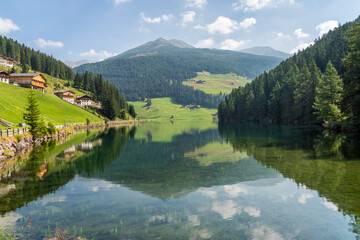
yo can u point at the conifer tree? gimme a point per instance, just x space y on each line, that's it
32 116
329 95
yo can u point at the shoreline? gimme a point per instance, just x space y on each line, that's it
11 150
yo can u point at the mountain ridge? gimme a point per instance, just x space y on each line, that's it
266 51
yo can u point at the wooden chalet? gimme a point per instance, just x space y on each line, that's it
6 62
4 77
66 95
28 80
84 100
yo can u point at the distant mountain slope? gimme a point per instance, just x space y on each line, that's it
73 64
157 68
266 51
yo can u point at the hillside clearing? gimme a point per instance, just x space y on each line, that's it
216 83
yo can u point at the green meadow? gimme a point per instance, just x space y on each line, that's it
13 101
216 83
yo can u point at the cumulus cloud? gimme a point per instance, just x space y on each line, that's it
188 17
265 232
208 193
224 25
234 190
98 55
42 43
7 26
253 212
205 43
150 20
325 27
167 17
330 205
254 5
227 209
301 47
283 36
300 34
302 199
247 22
232 44
195 3
117 2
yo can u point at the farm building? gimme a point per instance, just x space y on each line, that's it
6 62
4 77
84 100
28 80
66 95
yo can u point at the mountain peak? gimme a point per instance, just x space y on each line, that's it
266 51
154 46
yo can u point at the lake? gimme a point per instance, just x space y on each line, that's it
187 180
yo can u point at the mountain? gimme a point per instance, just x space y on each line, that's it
73 64
266 51
157 69
153 47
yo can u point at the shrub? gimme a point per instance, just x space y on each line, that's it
51 128
18 138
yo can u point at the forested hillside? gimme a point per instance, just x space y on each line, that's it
113 104
35 60
319 84
158 72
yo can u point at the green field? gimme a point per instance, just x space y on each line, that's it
216 83
13 101
163 108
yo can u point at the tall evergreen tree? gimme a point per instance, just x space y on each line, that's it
329 95
32 116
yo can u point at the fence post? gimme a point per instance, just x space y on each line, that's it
7 132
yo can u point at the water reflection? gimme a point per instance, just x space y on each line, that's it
199 182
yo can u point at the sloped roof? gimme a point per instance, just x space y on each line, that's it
24 74
79 97
64 90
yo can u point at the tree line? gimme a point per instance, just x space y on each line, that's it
113 104
318 85
35 60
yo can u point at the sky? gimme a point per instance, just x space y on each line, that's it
98 29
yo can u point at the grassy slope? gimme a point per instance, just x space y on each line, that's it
216 83
163 108
14 99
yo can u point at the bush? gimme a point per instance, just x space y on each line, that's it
51 128
18 138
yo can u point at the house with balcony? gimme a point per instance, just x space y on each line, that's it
28 80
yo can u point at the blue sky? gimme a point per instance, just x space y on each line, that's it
97 29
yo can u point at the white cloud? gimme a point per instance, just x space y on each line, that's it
247 22
199 27
117 2
150 20
232 44
188 17
224 25
7 26
300 34
325 27
253 212
265 232
283 36
98 55
234 190
254 5
330 205
167 17
42 43
195 3
302 199
205 43
301 47
227 209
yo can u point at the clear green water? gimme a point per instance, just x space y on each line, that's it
188 181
